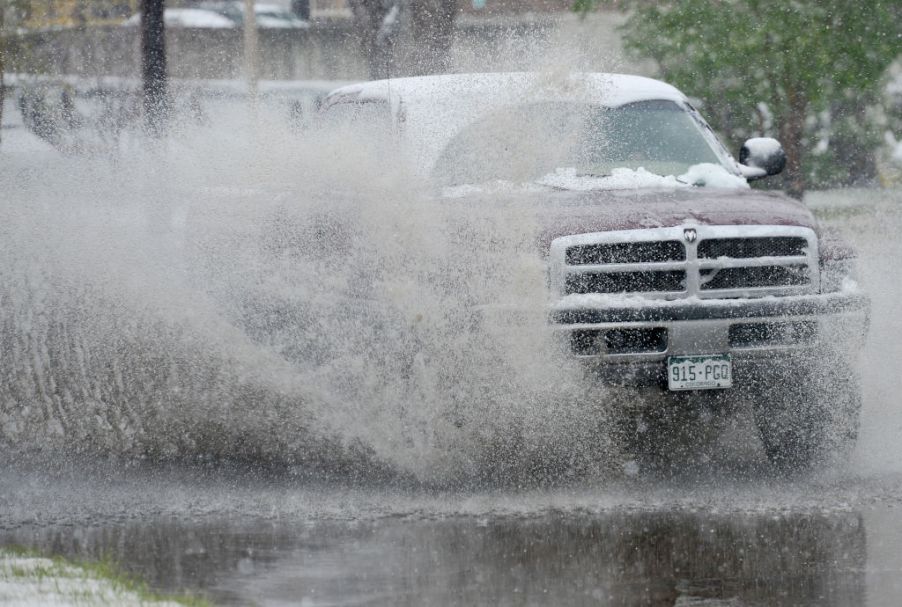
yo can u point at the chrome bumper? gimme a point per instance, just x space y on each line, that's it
748 329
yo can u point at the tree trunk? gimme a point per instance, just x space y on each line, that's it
792 131
153 64
251 50
301 8
853 141
433 25
2 69
375 44
378 24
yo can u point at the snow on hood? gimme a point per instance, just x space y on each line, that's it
497 186
619 179
703 175
711 175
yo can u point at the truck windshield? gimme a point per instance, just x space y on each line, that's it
524 142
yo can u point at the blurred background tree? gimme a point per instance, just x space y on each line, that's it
11 14
426 24
808 72
2 66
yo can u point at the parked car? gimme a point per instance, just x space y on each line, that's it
225 15
667 272
270 16
187 17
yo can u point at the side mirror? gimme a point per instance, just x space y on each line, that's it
761 157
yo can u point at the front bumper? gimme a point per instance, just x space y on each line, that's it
629 344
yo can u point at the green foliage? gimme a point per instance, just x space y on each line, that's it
12 12
584 6
798 69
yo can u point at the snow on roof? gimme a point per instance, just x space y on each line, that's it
607 89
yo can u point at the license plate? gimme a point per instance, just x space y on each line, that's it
699 372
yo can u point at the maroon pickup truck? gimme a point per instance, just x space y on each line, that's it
667 272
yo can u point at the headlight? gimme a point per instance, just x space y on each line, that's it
839 275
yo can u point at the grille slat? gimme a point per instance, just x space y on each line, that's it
744 248
754 277
626 252
626 282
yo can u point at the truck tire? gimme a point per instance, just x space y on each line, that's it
807 414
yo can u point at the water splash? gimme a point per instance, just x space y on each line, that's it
275 295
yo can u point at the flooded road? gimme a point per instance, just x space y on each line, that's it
241 540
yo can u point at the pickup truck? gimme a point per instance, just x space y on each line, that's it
666 272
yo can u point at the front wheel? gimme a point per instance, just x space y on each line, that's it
808 413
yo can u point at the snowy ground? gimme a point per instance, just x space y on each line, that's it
27 581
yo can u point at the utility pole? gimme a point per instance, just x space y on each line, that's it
153 64
2 66
301 8
251 50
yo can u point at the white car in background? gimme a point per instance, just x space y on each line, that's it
268 16
187 17
225 15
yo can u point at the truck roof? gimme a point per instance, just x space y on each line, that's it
432 109
603 88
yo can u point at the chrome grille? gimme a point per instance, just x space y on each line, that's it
744 248
721 262
754 277
626 252
626 282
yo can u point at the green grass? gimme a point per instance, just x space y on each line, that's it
105 570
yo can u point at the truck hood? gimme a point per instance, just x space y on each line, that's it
564 213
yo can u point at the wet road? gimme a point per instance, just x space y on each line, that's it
239 539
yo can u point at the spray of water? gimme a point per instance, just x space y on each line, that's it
870 219
248 289
273 295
